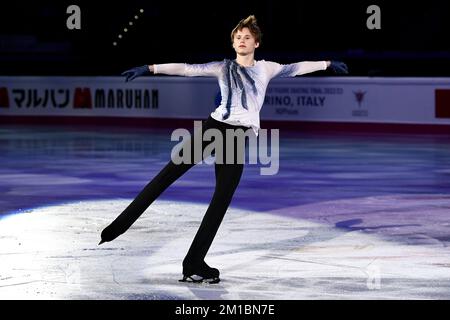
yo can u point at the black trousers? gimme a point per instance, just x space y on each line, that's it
227 175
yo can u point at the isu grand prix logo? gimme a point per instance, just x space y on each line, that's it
359 96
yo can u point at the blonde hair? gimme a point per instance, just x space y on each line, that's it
250 23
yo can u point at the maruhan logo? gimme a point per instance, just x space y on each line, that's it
227 147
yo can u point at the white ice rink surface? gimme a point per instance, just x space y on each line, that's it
52 253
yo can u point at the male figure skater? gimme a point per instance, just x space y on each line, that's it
243 82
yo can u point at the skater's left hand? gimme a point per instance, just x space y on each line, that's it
136 72
338 67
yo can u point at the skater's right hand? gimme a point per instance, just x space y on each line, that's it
338 67
136 72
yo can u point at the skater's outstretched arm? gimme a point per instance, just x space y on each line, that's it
211 69
299 68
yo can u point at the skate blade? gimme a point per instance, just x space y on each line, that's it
198 279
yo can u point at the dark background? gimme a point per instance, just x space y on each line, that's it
34 40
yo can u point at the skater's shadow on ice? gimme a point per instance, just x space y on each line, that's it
281 248
208 291
350 225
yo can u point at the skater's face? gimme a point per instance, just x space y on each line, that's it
244 42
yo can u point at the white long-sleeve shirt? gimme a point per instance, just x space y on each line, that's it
261 72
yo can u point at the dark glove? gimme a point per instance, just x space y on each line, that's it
338 67
136 72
